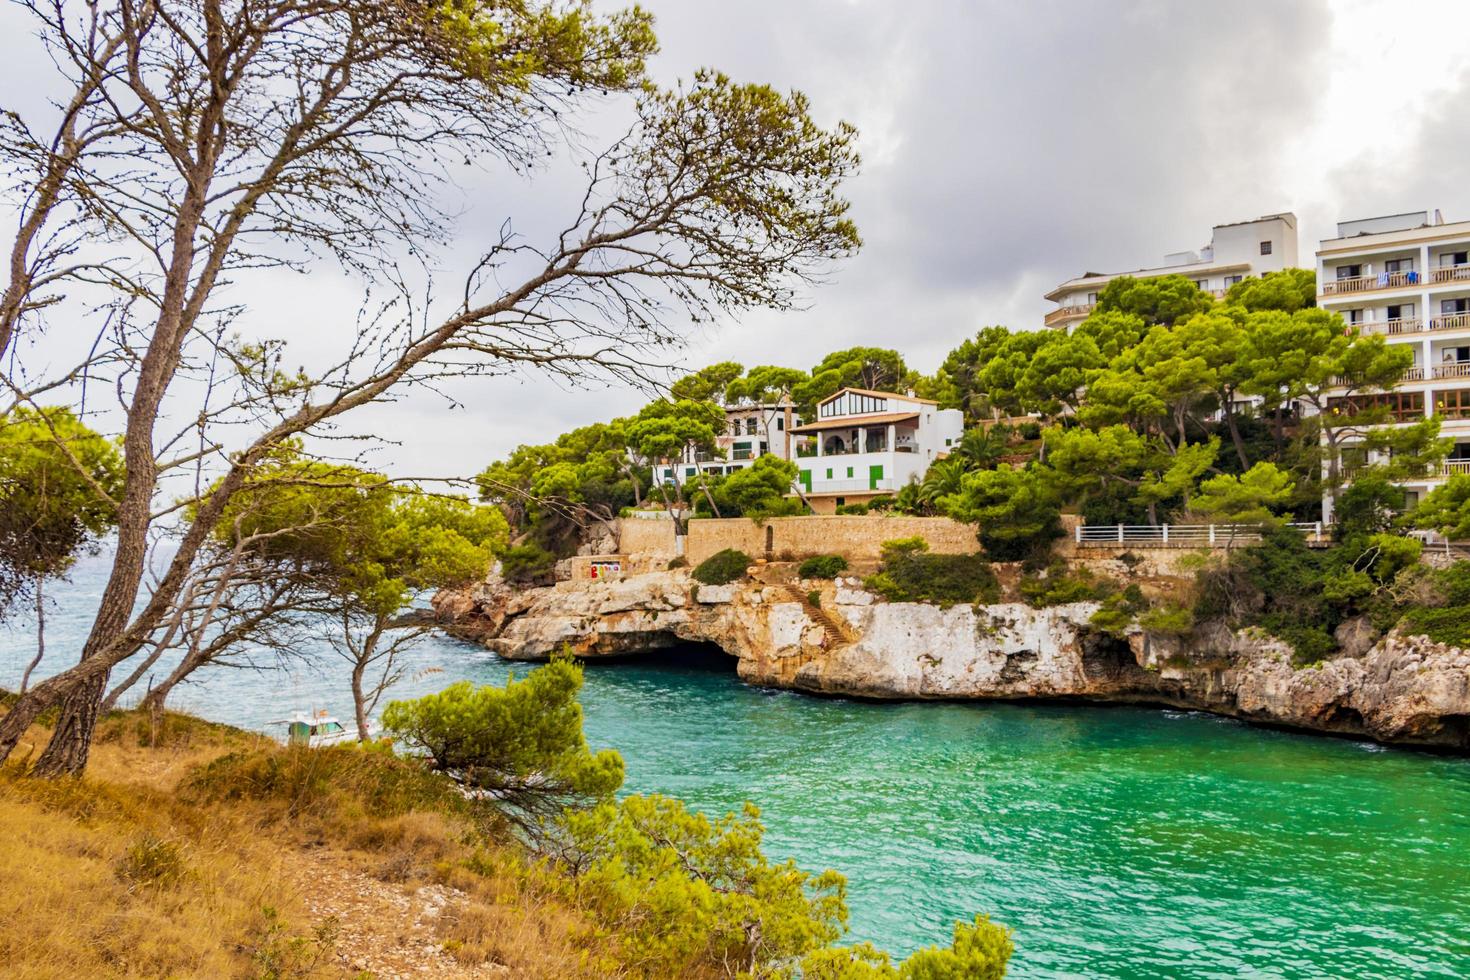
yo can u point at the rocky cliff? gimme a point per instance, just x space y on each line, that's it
1394 689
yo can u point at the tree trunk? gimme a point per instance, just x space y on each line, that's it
25 679
66 753
1237 440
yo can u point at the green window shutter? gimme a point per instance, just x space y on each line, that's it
875 473
689 471
849 472
805 477
829 473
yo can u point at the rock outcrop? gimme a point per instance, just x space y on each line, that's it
1394 689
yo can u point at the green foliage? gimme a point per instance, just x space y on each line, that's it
708 384
722 567
151 862
1056 585
1446 508
872 368
526 564
678 561
522 743
760 490
1120 611
852 510
815 597
822 566
1368 505
1156 300
690 896
59 481
1018 511
1287 290
1448 624
910 573
980 951
1250 498
1168 620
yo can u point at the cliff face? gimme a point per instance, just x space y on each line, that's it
1397 689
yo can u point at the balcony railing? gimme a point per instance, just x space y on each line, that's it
1179 535
1459 369
1416 374
1402 325
1452 466
1450 273
1068 313
1454 321
1362 284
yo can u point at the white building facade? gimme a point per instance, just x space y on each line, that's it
864 444
1245 248
750 431
1407 276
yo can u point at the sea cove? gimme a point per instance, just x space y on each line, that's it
1117 842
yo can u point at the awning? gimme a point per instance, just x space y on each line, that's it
855 422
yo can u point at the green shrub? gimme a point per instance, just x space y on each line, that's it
815 597
1119 611
853 510
911 574
822 566
526 563
1310 642
883 502
723 567
1168 620
678 562
1059 586
1450 624
151 862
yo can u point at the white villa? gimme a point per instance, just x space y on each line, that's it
868 443
1245 248
751 431
1407 276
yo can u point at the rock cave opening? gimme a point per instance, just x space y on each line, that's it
681 655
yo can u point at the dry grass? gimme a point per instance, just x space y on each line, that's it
191 852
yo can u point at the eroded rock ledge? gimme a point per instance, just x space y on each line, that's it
1399 690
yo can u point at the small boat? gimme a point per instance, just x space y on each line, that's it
318 728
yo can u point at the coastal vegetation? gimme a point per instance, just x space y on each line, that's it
204 836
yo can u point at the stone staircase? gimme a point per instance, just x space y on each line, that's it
835 630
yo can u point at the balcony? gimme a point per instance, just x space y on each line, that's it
1452 466
1363 284
1450 273
1064 313
1393 328
1457 369
1453 321
1416 374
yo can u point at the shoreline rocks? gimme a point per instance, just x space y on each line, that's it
1401 690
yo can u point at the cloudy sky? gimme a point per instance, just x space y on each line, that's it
1006 147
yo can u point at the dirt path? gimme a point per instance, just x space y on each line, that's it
383 929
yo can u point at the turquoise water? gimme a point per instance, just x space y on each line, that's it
1117 842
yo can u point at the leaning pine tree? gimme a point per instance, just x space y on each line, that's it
200 143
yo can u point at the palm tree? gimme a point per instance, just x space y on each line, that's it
942 480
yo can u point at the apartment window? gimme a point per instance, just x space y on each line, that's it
1453 404
1232 280
1353 316
1265 248
750 427
1450 307
780 425
1398 265
1349 271
1454 258
1403 311
1092 299
1456 355
1202 283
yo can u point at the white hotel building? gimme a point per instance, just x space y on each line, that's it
1245 248
1407 276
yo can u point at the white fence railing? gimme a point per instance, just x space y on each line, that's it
1178 535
